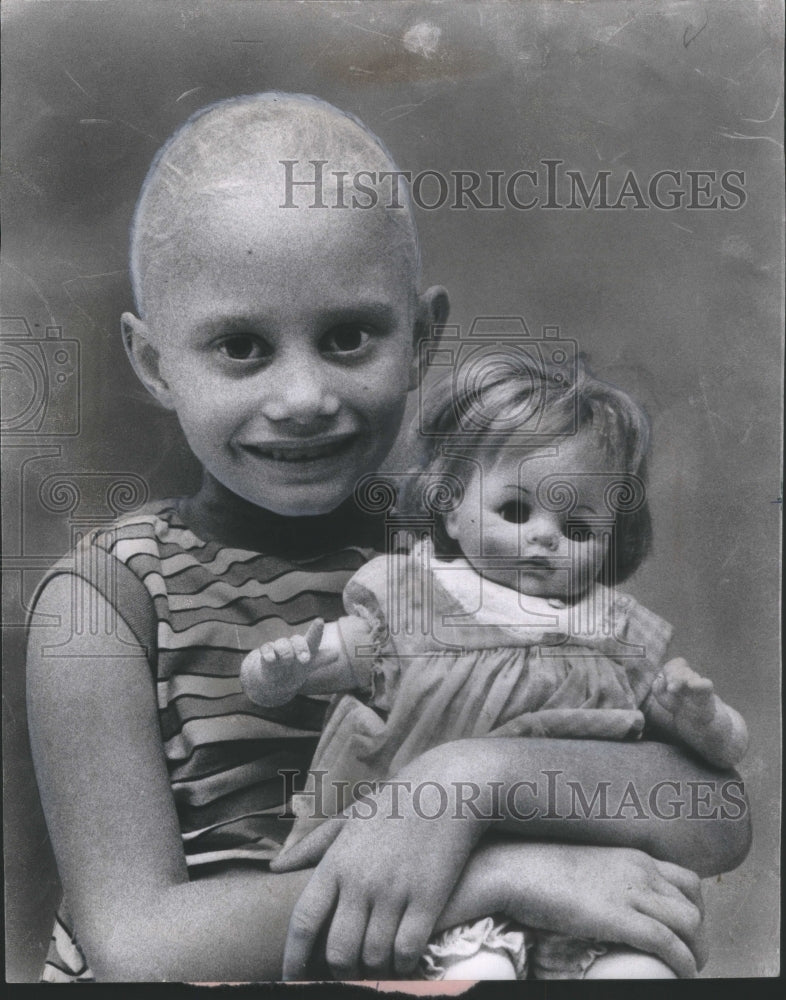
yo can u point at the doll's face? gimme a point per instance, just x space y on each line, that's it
508 534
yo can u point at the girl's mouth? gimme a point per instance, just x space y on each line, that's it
280 451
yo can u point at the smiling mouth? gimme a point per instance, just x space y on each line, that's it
306 452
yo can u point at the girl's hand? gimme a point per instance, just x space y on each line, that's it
381 884
609 894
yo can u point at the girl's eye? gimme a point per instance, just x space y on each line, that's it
345 340
244 347
515 511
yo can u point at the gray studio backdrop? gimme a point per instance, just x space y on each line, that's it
682 307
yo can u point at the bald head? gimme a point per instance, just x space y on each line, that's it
227 158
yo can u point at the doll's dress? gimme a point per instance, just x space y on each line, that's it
455 656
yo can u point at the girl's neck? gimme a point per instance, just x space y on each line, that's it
215 513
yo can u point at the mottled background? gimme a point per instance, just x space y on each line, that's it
683 308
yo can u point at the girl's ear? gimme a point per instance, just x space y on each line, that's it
145 358
450 524
433 307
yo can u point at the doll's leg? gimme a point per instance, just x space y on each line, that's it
492 948
625 963
560 956
482 965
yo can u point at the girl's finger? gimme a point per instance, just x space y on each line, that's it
310 913
679 915
668 890
651 936
684 879
309 850
345 937
411 940
379 941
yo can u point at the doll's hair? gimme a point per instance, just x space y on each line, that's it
522 397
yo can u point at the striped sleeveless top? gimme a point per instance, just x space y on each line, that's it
200 606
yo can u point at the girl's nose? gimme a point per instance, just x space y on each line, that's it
542 531
299 394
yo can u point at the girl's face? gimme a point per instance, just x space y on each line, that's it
508 533
284 341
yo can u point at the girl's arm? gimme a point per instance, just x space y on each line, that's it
601 893
607 894
683 707
112 821
645 796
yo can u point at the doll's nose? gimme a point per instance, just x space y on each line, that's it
543 532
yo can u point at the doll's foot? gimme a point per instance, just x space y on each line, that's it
483 965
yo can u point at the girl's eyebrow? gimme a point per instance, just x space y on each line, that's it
378 312
224 322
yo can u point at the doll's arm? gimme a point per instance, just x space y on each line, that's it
318 662
683 708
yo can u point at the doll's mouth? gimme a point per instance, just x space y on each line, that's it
536 562
310 451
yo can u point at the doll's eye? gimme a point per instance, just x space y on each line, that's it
515 511
244 347
344 340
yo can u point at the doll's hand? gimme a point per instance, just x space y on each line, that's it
381 884
273 674
686 696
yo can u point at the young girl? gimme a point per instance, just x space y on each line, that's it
285 341
511 628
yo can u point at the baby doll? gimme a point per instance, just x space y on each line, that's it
509 624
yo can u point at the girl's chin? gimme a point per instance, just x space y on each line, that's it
305 509
305 503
